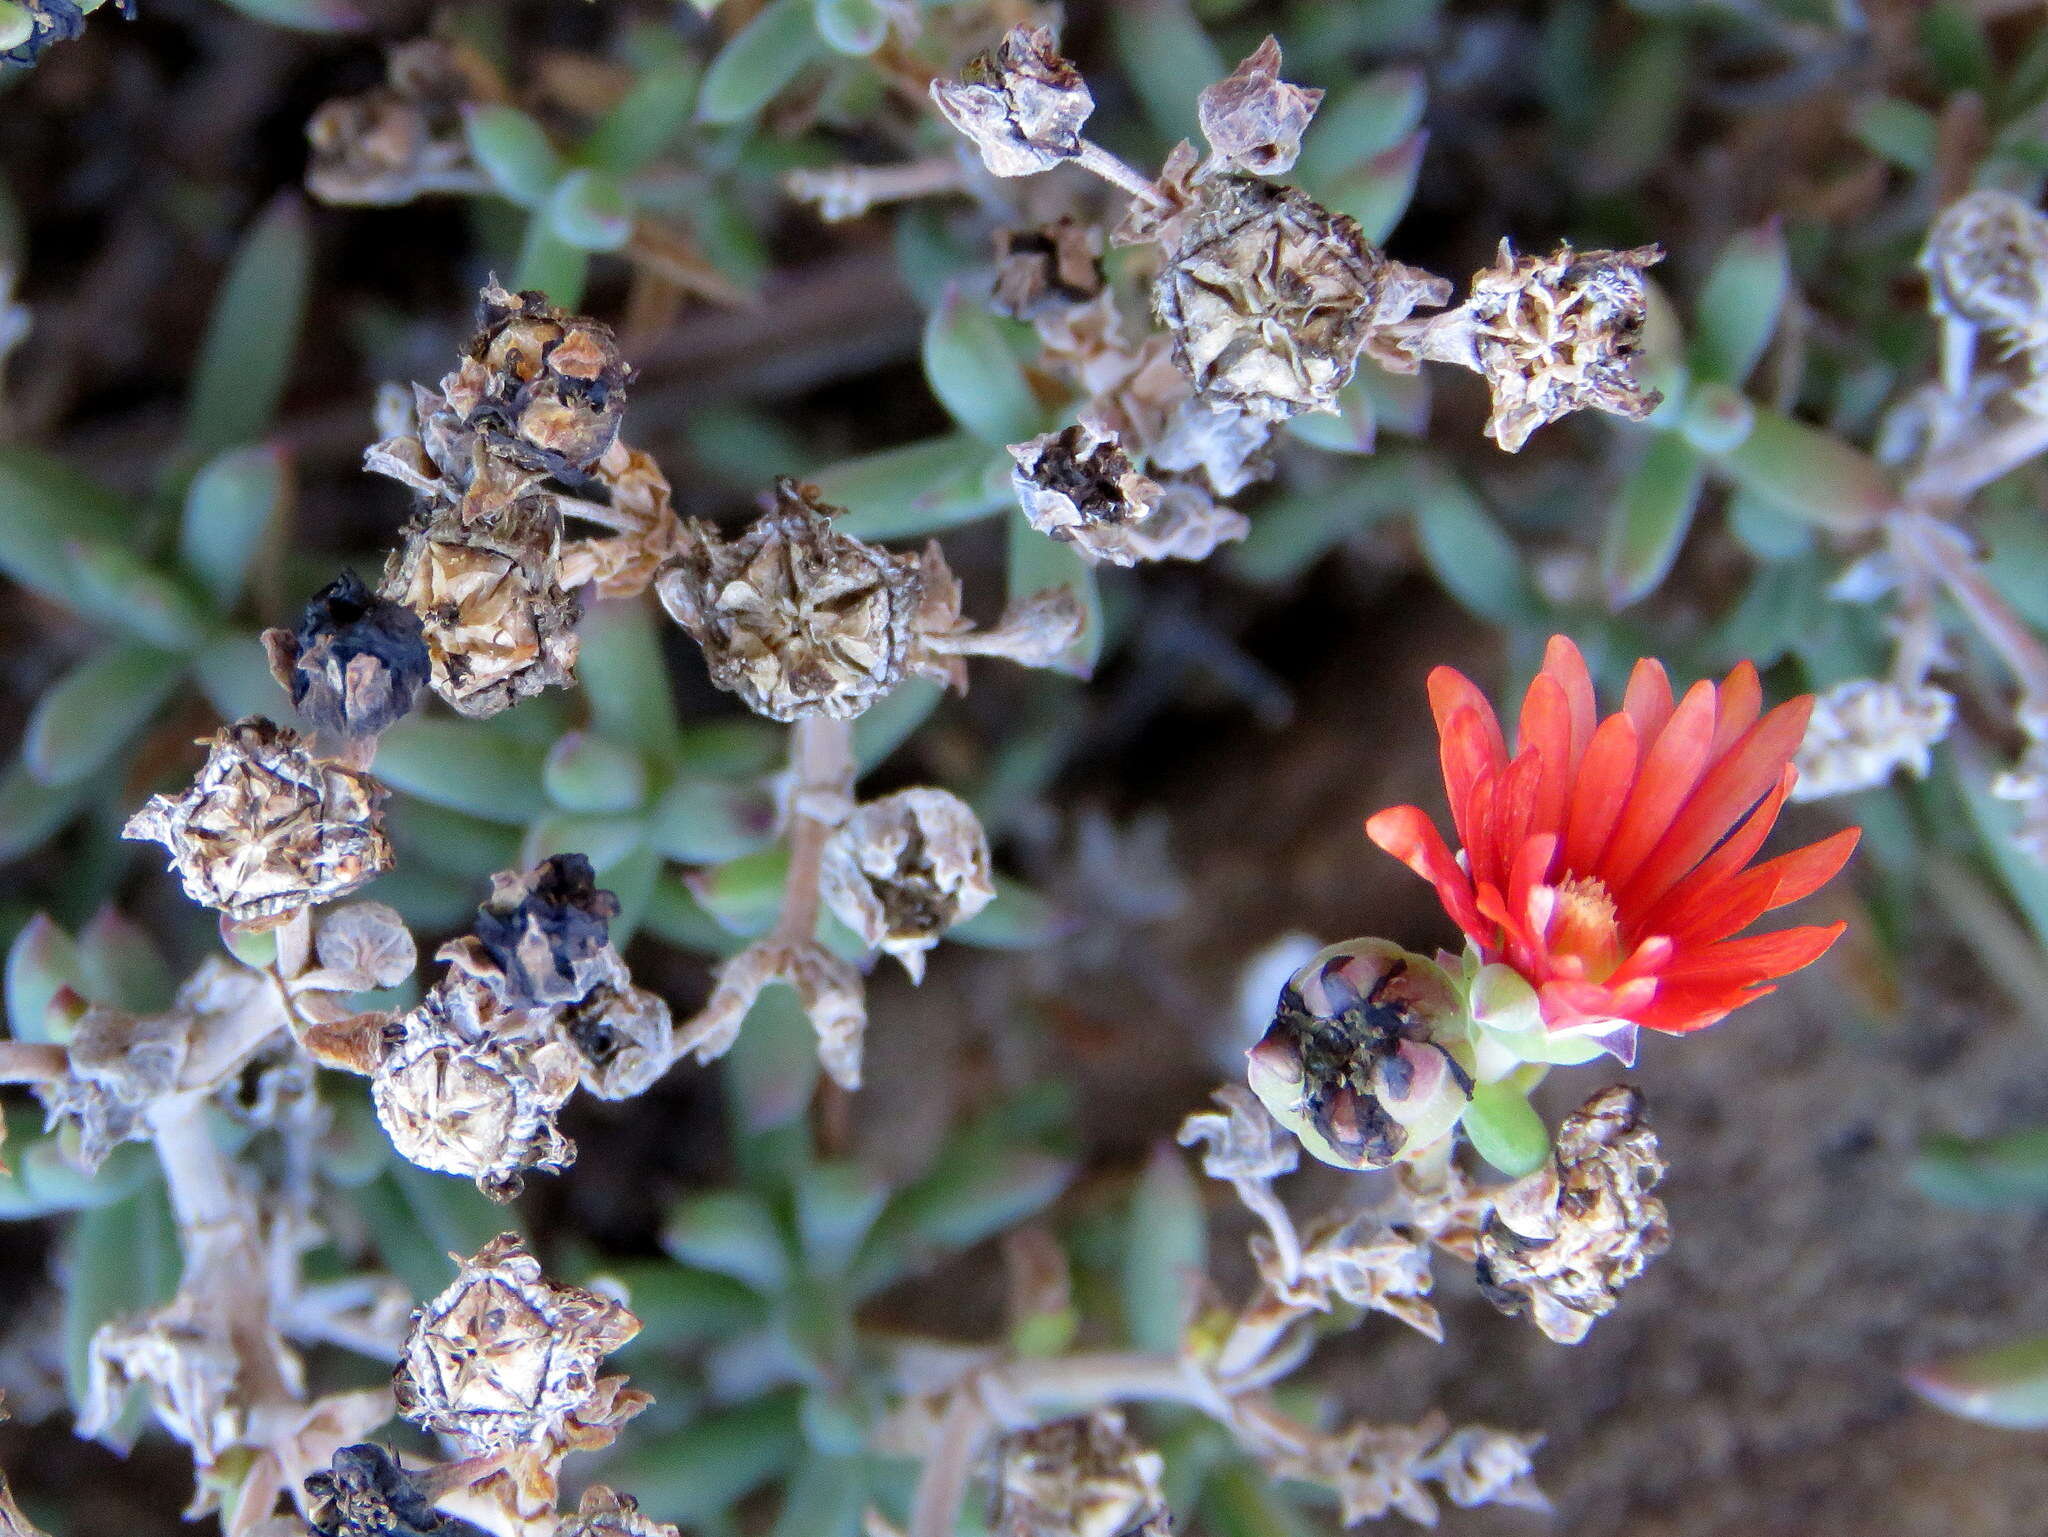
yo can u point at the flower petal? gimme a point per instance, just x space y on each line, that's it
1739 848
1546 731
1672 766
1756 958
1603 787
1648 700
1564 665
1410 836
1742 700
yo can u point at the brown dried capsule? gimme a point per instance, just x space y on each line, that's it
637 509
364 1492
1080 487
404 139
356 662
267 828
499 626
902 870
467 1088
1253 119
794 617
1561 1243
1022 105
624 1035
545 388
1986 262
1551 336
544 934
1271 297
1055 266
504 1359
605 1514
1080 1477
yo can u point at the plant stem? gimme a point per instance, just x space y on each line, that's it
32 1062
1934 545
1977 461
821 784
1094 158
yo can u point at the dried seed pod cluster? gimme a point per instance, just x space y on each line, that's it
1561 1244
404 139
267 828
904 869
1865 730
355 663
1986 261
1081 1477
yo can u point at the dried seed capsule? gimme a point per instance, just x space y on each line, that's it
405 138
547 388
1055 266
638 511
1081 1477
1561 1243
1080 487
1253 118
605 1514
498 624
356 662
467 1088
902 870
794 617
504 1359
1551 336
365 1493
1022 105
625 1037
1270 297
1864 731
1350 1065
1986 262
546 933
267 828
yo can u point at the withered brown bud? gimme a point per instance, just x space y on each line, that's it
404 139
1350 1065
499 626
267 828
356 662
546 932
1271 297
625 1037
1022 104
793 616
605 1514
1561 1243
552 386
1551 336
464 1087
1054 266
365 1493
902 870
1081 1477
1080 487
1986 262
505 1359
1253 119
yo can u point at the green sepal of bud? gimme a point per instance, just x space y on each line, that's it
253 947
1504 1127
1508 1028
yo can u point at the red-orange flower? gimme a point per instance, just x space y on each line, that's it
1608 861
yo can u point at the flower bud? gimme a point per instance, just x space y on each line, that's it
1022 105
1253 119
356 662
794 617
267 828
1353 1064
902 870
1560 1244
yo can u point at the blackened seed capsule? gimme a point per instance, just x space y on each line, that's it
360 660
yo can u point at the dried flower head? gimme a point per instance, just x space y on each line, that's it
183 1355
366 1493
267 828
545 388
356 662
1080 487
1371 1263
498 624
1350 1064
828 989
1551 336
1081 1477
1561 1243
1864 730
605 1514
504 1359
1243 1140
404 139
637 510
1052 266
902 870
1616 893
1253 119
793 616
624 1035
1022 105
1986 261
468 1088
544 935
1271 297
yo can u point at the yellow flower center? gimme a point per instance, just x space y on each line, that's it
1584 924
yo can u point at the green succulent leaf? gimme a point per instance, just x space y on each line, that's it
590 211
454 764
234 675
230 508
1359 122
773 1068
2008 1173
730 1233
697 1474
1168 57
115 584
551 265
41 960
887 726
1649 520
973 369
710 821
852 27
1808 472
1738 309
680 1306
647 120
585 772
624 677
761 59
306 15
827 1497
1377 192
2005 1385
30 810
1467 550
1166 1247
920 488
246 356
1038 564
120 1258
1505 1129
515 152
92 712
45 506
1018 919
121 965
836 1204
